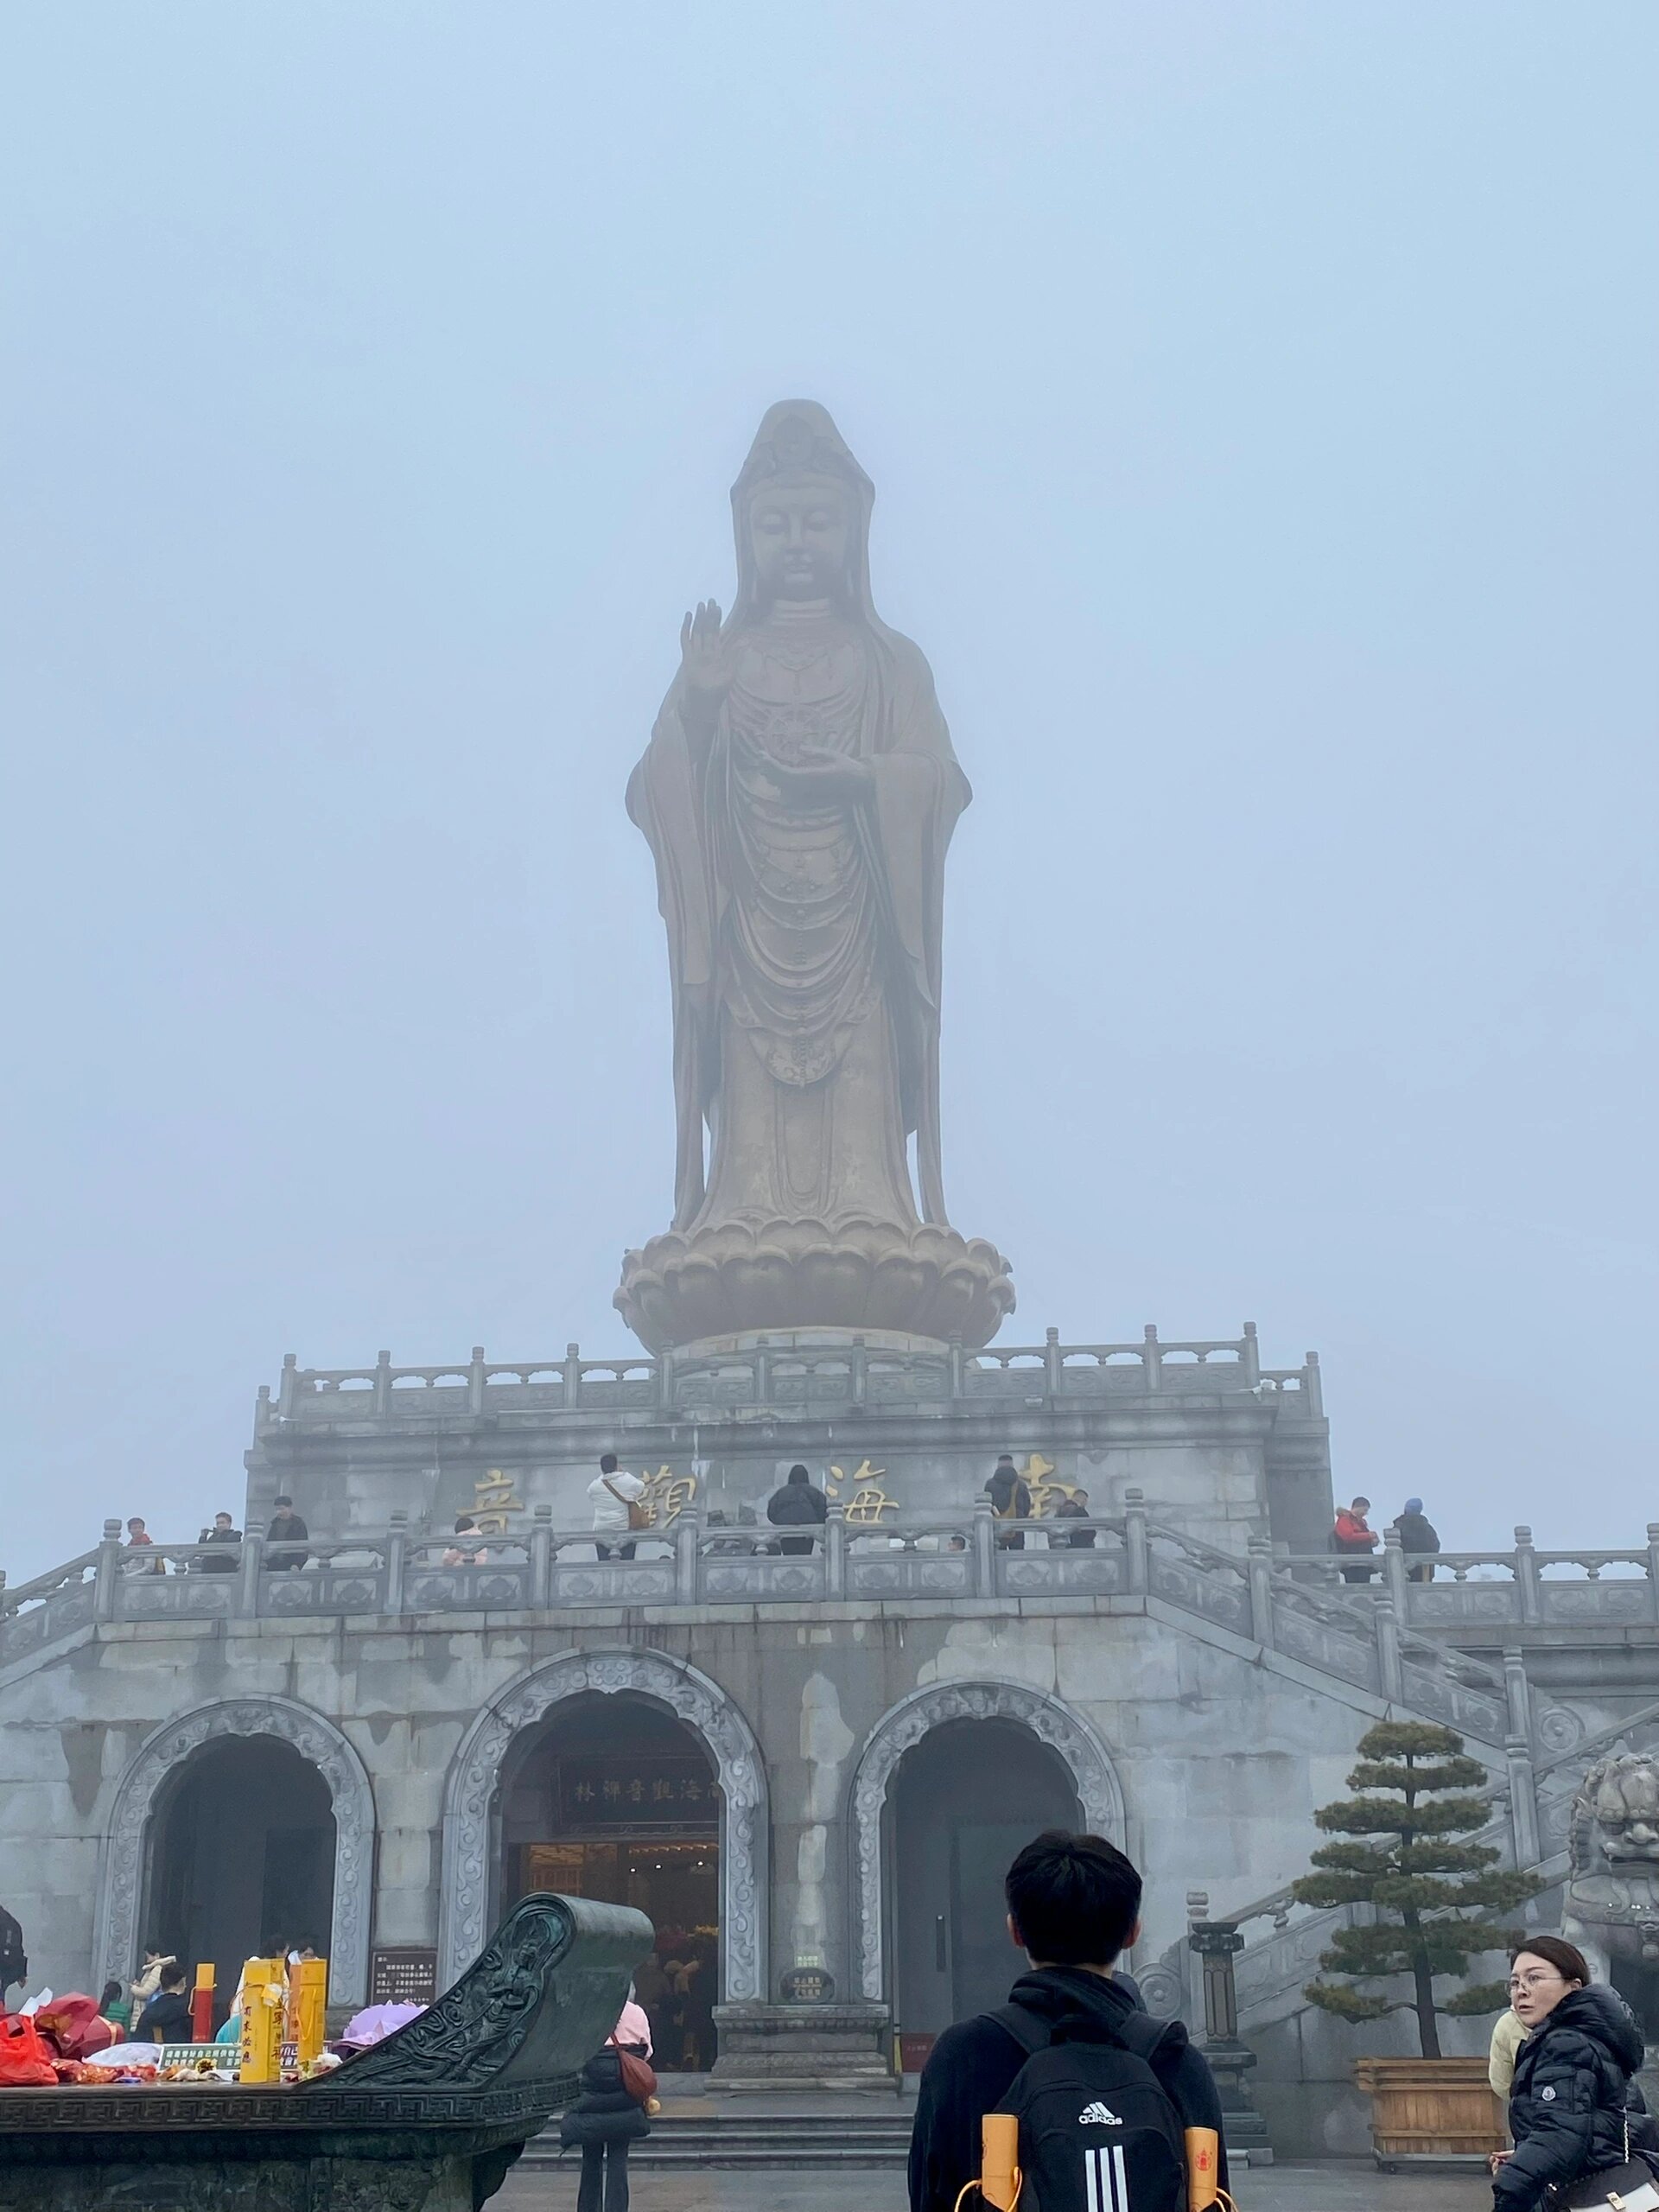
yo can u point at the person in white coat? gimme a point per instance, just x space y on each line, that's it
613 1493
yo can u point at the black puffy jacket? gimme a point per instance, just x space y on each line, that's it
604 2113
1570 2096
797 1505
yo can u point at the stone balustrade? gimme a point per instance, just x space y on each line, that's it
951 1558
1522 1588
782 1375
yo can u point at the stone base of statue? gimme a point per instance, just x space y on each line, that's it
721 1281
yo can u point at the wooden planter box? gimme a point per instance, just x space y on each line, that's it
1436 2108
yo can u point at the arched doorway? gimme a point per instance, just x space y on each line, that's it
473 1853
962 1803
614 1798
162 1762
241 1858
1095 1803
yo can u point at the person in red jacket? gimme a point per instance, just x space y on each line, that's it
1353 1534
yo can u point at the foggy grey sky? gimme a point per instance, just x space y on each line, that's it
1260 405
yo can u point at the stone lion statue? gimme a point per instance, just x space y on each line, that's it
1612 1890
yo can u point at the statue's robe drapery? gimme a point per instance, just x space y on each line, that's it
804 940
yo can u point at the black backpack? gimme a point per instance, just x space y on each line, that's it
1098 2130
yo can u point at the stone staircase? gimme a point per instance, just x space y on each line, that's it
757 2132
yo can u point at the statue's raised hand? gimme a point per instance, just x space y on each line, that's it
705 664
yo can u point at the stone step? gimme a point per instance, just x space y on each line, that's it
796 2140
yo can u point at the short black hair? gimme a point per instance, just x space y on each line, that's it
799 1474
1074 1899
607 1463
1567 1958
112 1994
284 1501
463 1523
173 1977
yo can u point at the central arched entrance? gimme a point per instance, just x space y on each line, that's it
241 1858
614 1798
482 1794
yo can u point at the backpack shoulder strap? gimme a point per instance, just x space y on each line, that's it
1028 2030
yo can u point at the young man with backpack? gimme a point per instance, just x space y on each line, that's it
1104 2093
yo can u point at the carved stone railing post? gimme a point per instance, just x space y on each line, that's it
264 1411
247 1589
1136 1565
1526 1575
1151 1358
1052 1363
1251 1359
289 1384
106 1575
1523 1801
956 1356
475 1380
1653 1565
834 1553
1391 1674
541 1558
383 1382
984 1549
762 1375
397 1562
860 1378
1261 1576
1394 1572
688 1529
1518 1691
1313 1386
572 1373
1216 1944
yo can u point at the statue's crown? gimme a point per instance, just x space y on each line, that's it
790 444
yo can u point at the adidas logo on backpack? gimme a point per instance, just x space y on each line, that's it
1098 2115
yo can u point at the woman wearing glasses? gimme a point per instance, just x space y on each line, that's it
1571 2098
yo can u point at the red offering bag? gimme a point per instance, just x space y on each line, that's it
639 2081
25 2061
73 2027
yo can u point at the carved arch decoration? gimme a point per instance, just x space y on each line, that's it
315 1739
690 1697
1059 1725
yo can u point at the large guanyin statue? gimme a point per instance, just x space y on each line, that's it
798 793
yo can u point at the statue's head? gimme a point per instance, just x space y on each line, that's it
1623 1794
801 509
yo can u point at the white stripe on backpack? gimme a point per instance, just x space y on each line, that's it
1108 2181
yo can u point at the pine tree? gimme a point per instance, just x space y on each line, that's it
1430 1894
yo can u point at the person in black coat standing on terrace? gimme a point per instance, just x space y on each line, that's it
287 1540
1419 1540
1010 1499
798 1504
1572 2104
223 1532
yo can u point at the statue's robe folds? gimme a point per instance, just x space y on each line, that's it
804 940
